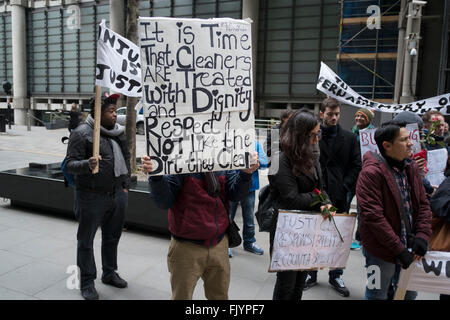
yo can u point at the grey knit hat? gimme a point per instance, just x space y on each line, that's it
409 117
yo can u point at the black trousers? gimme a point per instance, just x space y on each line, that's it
289 285
94 210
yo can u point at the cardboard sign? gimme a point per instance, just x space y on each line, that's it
305 241
430 274
367 141
437 161
118 63
197 93
414 136
330 84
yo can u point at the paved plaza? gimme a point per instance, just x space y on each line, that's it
38 249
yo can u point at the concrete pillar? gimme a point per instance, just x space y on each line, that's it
250 9
117 16
117 12
21 102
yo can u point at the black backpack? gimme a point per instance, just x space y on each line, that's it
266 209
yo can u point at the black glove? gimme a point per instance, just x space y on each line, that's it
405 258
419 246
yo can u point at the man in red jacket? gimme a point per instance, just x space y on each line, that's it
395 214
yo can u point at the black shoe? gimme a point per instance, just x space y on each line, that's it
115 280
339 286
309 282
89 293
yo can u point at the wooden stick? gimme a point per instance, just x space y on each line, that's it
97 117
403 281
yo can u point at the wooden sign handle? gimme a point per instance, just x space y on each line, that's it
97 117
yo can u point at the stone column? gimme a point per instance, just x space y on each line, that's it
21 102
117 12
250 9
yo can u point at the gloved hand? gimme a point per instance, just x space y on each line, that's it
405 258
419 246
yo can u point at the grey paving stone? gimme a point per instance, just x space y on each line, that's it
10 261
33 278
15 236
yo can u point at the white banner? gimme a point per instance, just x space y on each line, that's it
305 241
197 93
430 274
330 84
118 63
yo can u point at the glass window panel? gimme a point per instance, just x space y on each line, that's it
182 11
276 89
304 89
164 12
205 9
161 3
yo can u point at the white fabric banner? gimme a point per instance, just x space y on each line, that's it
430 274
197 93
305 241
118 63
330 84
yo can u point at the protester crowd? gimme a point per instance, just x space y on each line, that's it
396 223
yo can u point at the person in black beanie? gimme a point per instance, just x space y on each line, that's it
340 161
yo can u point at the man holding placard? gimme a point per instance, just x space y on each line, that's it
395 214
100 199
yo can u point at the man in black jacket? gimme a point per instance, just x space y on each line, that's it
340 160
100 199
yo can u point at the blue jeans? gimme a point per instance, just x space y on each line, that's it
389 275
248 206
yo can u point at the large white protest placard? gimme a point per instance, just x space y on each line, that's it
436 162
305 241
118 63
197 93
430 274
330 84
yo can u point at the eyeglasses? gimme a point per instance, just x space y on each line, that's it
316 135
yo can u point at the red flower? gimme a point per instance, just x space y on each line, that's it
317 191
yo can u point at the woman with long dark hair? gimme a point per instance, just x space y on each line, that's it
297 176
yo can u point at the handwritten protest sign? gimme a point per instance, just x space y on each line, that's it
330 84
118 63
437 161
430 274
305 241
367 139
414 136
197 93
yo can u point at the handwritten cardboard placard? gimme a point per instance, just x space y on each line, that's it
118 63
305 241
367 139
430 274
437 161
197 93
333 86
